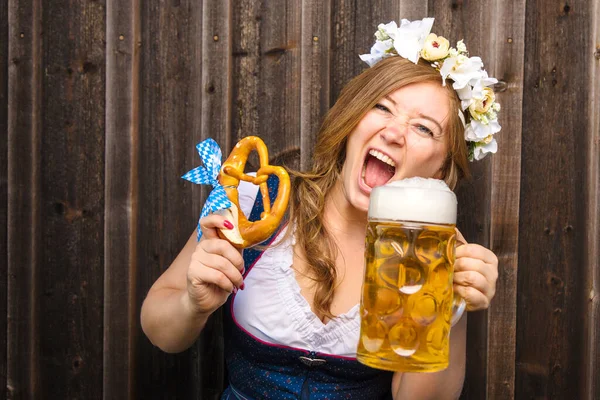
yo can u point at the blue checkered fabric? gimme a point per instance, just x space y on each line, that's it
210 154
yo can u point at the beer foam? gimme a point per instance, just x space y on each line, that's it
414 199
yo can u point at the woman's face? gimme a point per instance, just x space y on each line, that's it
403 136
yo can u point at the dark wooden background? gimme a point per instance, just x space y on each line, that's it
102 102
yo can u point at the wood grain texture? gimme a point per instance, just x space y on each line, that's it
121 197
280 80
354 24
266 77
70 312
554 199
216 36
246 68
591 381
24 224
453 21
315 73
413 10
170 109
507 46
3 193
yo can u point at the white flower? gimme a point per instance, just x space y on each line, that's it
475 90
462 70
461 47
477 131
482 149
487 140
379 51
453 52
386 31
466 96
410 38
435 48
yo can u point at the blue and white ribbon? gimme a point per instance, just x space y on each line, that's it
210 154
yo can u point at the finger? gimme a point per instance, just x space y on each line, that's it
474 298
212 276
473 250
489 271
210 225
475 280
219 263
223 248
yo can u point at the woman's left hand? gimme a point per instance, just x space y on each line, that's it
475 274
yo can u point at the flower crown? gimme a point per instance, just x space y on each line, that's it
412 40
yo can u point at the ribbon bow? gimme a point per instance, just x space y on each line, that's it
210 154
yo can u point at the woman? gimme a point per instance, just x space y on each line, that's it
293 328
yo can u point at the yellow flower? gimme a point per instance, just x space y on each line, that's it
481 106
435 47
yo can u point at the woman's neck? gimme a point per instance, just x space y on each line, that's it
342 220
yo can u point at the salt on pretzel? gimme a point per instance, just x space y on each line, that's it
245 233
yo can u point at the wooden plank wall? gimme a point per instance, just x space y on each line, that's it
103 101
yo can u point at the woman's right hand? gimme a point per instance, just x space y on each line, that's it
215 269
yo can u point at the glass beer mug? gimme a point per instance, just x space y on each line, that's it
408 305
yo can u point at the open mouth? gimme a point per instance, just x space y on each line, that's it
378 169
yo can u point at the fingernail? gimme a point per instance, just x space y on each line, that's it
242 286
235 290
228 225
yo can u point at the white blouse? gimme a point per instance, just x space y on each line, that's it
272 309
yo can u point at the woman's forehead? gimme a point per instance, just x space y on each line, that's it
427 98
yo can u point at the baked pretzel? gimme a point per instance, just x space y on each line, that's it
246 233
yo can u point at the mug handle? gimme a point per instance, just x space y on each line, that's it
459 305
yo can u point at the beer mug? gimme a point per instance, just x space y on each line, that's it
408 305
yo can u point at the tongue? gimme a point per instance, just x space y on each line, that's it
377 172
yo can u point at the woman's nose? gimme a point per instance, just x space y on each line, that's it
396 130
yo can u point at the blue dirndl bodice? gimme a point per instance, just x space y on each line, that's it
259 370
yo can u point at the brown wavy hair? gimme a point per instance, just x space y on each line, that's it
310 189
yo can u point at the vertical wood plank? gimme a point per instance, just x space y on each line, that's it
414 9
216 123
507 35
554 201
315 74
70 312
169 113
3 192
246 68
216 72
24 224
280 80
354 24
453 20
121 197
591 379
266 81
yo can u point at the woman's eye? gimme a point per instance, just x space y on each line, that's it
425 130
382 107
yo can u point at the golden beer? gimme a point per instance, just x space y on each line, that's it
407 299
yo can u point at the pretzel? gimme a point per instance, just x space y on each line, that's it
246 233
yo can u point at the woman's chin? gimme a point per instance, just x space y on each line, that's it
361 203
